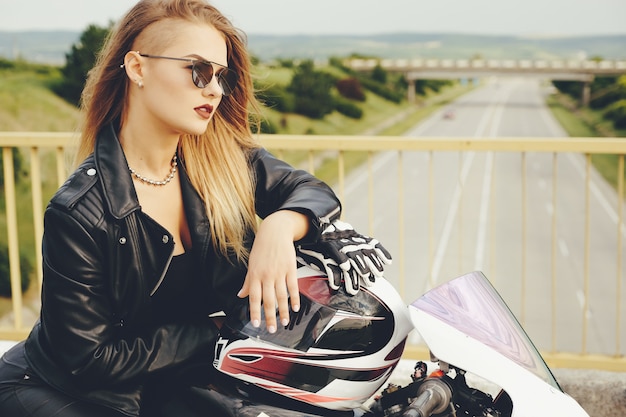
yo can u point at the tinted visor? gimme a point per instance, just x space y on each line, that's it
360 323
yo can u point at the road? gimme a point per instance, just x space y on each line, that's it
478 210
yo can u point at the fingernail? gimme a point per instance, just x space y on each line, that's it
271 329
296 308
255 323
284 322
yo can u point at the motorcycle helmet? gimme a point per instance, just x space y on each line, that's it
335 353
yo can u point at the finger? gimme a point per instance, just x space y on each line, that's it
374 264
334 273
383 253
269 307
254 299
294 291
375 267
351 282
357 263
282 301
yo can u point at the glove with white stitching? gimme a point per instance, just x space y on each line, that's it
345 256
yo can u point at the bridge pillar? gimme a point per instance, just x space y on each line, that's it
586 94
411 92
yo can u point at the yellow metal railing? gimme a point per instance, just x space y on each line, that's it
340 147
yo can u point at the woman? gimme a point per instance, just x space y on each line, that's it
157 228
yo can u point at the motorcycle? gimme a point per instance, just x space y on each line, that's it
339 350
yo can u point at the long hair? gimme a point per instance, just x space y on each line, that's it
216 161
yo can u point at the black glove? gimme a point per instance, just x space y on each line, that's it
345 255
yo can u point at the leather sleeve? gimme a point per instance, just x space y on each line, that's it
279 186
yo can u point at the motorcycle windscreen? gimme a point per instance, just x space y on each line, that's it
465 321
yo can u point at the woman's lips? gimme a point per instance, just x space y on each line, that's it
204 111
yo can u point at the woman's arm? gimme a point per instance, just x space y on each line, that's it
271 277
295 206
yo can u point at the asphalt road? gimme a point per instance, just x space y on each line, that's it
478 211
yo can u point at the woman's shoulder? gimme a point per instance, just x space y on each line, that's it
80 193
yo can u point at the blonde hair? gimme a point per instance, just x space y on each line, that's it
216 161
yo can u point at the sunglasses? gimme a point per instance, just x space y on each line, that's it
202 73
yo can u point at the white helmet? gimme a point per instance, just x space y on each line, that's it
336 352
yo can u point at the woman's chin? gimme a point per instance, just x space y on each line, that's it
196 128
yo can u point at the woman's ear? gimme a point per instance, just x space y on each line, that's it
133 67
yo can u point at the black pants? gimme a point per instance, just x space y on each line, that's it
23 394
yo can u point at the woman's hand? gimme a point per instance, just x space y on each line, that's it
271 279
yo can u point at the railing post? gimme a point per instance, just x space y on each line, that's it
14 252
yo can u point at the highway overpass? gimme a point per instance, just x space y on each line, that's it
567 70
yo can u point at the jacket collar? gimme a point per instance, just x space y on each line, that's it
119 190
112 167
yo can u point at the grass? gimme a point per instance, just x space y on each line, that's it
585 122
27 104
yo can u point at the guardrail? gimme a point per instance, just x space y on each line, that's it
39 146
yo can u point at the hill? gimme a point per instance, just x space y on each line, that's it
50 47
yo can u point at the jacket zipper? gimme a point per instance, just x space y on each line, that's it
162 277
326 220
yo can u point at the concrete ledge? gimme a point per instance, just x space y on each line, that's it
600 393
5 345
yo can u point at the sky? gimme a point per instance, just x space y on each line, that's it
283 17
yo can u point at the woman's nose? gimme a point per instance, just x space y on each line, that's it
213 88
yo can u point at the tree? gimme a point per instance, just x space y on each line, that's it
312 91
617 113
351 88
79 61
379 74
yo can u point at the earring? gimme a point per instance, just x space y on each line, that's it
139 83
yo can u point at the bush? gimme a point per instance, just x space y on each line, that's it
277 98
350 88
605 99
5 275
617 113
312 91
382 90
379 74
6 64
268 127
348 108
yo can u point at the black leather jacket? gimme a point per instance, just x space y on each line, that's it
104 258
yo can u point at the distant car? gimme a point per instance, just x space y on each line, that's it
448 114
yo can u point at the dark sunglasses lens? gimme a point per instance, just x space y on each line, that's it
201 73
227 80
